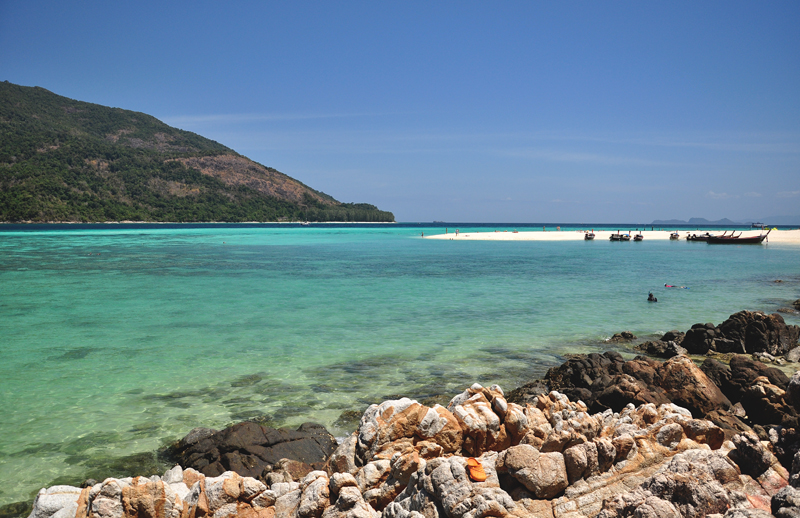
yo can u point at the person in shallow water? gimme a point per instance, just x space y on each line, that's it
651 298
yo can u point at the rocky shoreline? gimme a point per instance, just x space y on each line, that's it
598 436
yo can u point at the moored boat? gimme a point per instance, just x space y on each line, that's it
695 237
588 236
738 240
638 237
674 236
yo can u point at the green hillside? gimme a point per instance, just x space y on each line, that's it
66 160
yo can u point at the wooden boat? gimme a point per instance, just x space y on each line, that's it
674 236
638 237
695 237
738 240
588 236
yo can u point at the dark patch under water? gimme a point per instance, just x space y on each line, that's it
78 353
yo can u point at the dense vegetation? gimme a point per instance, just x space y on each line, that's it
66 160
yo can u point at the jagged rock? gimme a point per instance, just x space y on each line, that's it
661 349
556 459
315 495
623 336
688 386
543 474
720 375
382 425
696 483
730 424
349 504
786 503
606 381
443 489
343 459
758 332
744 372
751 455
528 392
56 501
673 336
700 338
252 450
793 391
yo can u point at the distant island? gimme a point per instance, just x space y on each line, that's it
769 220
696 221
63 160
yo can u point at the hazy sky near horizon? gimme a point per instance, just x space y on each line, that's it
456 111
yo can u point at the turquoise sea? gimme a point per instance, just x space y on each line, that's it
117 339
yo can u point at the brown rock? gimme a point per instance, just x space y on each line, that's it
758 332
543 474
250 449
689 387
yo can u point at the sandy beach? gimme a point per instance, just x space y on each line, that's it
776 236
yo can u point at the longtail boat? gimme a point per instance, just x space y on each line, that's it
738 240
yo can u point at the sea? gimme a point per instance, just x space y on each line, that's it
117 339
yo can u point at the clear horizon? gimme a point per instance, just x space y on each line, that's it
494 113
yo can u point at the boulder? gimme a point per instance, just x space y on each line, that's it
622 336
673 336
700 338
744 372
58 501
661 349
766 404
694 484
252 450
689 387
786 503
395 425
758 332
480 412
543 474
608 382
528 392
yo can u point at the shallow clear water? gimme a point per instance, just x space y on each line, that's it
118 339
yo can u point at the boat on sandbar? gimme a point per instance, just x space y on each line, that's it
738 240
588 236
695 237
638 237
674 236
619 237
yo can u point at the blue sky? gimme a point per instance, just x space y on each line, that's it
457 111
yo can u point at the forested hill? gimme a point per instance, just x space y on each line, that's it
66 160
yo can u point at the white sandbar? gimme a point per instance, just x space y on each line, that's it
776 236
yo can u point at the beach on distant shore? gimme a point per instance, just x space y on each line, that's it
784 237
